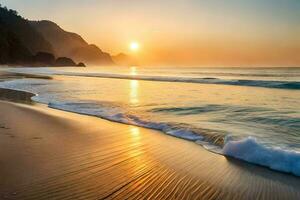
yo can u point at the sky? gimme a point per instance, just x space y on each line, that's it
181 32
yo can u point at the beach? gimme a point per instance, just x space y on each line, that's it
52 154
149 100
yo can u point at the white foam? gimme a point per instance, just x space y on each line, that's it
117 115
250 150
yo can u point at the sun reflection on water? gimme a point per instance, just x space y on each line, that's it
133 71
133 87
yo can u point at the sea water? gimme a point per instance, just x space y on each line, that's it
252 114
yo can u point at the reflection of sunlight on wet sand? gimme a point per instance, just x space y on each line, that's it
134 85
135 132
135 137
136 154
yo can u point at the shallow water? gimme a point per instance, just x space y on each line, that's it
205 105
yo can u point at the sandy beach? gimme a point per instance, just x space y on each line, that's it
149 100
52 154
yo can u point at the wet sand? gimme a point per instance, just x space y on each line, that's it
51 154
16 96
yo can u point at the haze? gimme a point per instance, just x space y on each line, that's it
181 32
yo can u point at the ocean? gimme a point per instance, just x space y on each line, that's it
252 114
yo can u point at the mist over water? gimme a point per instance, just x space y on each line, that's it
224 110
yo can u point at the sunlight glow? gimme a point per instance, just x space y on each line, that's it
135 131
133 71
135 137
133 87
134 98
134 46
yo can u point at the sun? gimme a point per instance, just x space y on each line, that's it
134 46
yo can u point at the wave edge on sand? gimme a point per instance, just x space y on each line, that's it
246 149
250 150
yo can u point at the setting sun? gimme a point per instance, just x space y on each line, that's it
134 46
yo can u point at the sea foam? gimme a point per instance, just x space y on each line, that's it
250 150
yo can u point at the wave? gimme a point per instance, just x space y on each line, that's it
293 85
190 110
228 74
116 115
246 149
250 150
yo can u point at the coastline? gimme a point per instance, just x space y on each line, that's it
59 155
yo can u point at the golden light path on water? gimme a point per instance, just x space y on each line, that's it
134 88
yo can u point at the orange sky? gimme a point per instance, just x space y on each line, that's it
182 32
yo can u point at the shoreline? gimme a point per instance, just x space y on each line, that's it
232 149
47 153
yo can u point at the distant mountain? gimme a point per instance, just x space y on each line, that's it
11 48
34 41
125 60
67 44
63 61
18 39
39 43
